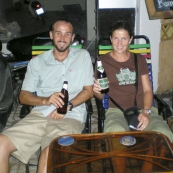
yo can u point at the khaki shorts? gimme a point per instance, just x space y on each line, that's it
36 130
116 122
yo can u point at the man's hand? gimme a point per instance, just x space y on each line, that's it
54 115
143 120
54 99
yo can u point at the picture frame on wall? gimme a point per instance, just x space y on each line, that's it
159 9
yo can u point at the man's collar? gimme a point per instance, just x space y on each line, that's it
71 54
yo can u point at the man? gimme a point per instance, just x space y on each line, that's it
45 75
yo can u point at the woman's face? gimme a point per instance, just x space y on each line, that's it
120 41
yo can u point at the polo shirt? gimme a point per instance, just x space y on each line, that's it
46 75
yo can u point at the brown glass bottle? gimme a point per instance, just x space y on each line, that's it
102 78
64 91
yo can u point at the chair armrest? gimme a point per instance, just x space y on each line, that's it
101 114
89 107
25 110
100 109
163 108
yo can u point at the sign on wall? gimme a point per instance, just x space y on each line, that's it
163 5
160 9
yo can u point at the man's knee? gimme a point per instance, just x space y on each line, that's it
6 145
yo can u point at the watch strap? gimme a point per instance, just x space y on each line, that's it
71 105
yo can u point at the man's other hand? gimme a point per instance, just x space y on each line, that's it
54 115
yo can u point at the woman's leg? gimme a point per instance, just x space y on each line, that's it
115 122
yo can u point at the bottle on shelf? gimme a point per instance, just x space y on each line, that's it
102 77
64 91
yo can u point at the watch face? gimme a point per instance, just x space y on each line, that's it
149 111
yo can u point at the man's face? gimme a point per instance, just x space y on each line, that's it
62 35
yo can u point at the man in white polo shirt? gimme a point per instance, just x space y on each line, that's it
45 76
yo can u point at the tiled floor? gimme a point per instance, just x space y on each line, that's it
17 166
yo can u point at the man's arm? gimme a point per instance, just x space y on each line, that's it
29 98
83 96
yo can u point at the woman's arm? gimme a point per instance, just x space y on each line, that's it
147 98
147 92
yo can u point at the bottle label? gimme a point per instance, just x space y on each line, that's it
103 83
65 86
100 69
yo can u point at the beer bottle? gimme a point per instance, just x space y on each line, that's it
64 91
102 78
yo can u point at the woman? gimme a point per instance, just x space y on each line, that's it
120 69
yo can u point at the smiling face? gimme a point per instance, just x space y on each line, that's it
120 40
62 35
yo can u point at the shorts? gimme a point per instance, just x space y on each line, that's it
116 122
36 130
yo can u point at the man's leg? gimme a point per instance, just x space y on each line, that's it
6 148
54 129
42 164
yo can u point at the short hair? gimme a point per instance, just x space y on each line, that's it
62 20
121 25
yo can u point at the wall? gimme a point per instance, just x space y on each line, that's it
57 5
117 3
91 23
4 5
150 28
165 74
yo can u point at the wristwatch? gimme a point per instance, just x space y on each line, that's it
71 105
148 111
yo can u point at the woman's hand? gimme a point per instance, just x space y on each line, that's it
96 87
143 120
54 115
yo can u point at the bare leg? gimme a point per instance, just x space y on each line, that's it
6 148
42 165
